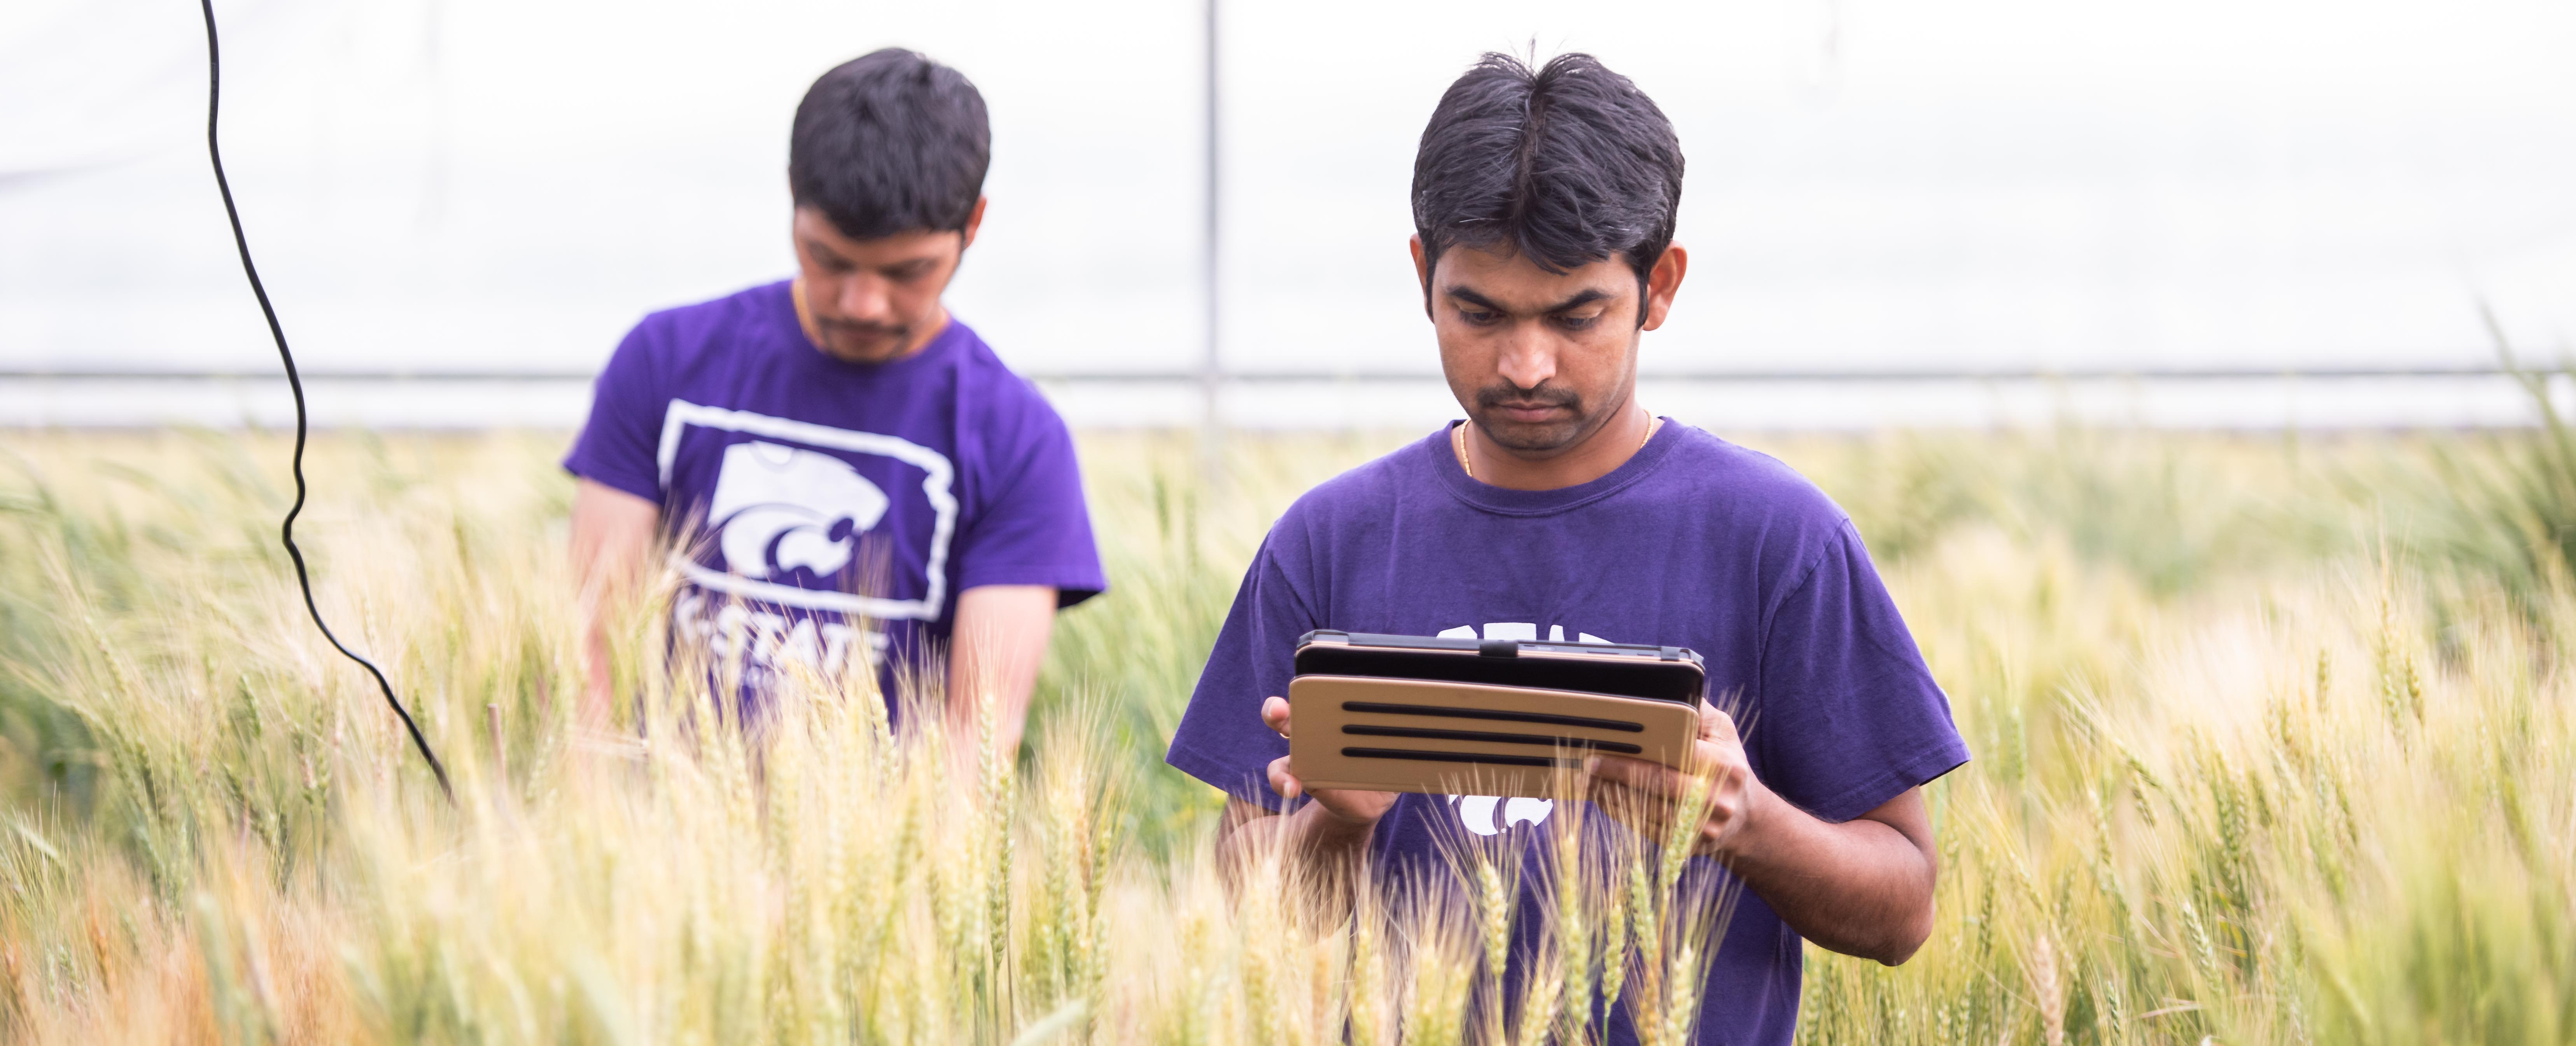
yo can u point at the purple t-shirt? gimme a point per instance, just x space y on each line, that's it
834 510
1693 542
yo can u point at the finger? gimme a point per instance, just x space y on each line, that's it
1638 774
1274 713
1715 725
1611 795
1639 811
1284 782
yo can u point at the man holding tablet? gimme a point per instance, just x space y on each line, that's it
1561 510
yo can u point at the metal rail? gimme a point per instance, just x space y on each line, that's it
1386 377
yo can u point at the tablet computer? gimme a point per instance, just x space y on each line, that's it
1483 716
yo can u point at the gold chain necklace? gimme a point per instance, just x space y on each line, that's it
1458 442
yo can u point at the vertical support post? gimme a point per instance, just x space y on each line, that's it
1211 361
433 60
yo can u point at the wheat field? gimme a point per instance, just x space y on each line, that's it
2274 743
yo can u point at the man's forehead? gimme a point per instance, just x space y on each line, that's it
897 247
1510 279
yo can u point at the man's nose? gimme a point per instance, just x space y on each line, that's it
1527 359
863 299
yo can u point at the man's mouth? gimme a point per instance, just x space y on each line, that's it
1528 411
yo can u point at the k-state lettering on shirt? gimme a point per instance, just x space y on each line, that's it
833 510
1694 542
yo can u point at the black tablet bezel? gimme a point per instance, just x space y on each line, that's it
1656 673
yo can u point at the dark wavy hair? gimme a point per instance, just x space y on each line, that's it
1567 165
890 142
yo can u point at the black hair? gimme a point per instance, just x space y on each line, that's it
1566 165
890 142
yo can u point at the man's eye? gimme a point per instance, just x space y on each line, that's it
1477 315
1576 323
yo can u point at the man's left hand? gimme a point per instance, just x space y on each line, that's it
1860 887
1646 795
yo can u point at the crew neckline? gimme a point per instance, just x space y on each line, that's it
1507 501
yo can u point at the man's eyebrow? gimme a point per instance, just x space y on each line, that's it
823 250
1581 298
1472 298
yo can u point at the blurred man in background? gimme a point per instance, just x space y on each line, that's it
855 481
1544 204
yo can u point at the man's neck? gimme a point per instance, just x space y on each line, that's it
1595 456
814 331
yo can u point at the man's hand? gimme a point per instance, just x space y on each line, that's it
1645 795
1861 887
1327 837
1352 806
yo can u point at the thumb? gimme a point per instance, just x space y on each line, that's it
1716 725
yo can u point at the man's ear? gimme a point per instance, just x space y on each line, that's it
974 221
1663 282
1422 270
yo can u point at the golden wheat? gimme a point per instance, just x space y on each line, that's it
2270 749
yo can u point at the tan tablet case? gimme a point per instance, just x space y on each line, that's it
1445 738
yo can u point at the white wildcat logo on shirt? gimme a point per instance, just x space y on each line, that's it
778 508
1478 812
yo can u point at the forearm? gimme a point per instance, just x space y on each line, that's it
599 687
1313 844
1860 887
1000 640
970 685
611 534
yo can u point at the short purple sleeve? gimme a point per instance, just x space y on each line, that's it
1221 739
619 444
1032 526
1849 717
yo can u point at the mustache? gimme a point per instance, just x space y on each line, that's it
1507 395
867 330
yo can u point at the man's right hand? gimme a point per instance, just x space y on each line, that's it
1353 807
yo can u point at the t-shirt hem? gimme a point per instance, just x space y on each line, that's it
1070 588
1216 773
648 491
1924 768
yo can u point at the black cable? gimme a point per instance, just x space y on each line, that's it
294 383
